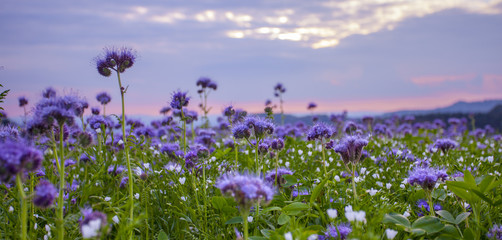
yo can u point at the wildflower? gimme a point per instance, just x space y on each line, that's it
445 145
115 219
320 131
246 189
260 126
350 148
332 213
104 98
341 231
390 233
17 157
23 101
45 193
495 232
311 106
179 100
277 144
423 205
117 59
49 93
426 177
229 111
271 175
241 131
93 223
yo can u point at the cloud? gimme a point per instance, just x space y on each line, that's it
436 80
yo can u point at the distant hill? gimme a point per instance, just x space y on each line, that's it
458 107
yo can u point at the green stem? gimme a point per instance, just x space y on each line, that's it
431 205
354 182
126 152
24 207
323 157
61 184
245 215
256 157
276 166
184 131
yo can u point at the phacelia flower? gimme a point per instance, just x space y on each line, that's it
445 144
117 59
277 144
426 177
241 131
341 231
23 101
49 93
246 189
311 106
260 126
17 157
179 100
104 98
495 232
93 223
320 131
229 111
271 176
350 148
279 88
45 194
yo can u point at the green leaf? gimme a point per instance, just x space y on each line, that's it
398 220
270 209
487 183
461 217
450 232
290 180
234 220
469 234
229 210
162 235
317 190
218 202
462 193
469 179
296 206
417 231
447 216
482 196
428 224
283 219
439 194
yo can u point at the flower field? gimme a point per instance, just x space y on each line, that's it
70 172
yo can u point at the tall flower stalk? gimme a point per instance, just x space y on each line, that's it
118 60
178 101
206 86
278 91
321 132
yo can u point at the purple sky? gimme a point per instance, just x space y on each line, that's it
370 56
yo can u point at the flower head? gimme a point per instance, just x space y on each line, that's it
179 100
45 193
229 111
17 157
426 177
259 125
341 231
495 232
93 223
311 106
104 98
49 93
246 189
350 148
271 176
445 144
23 101
320 131
117 59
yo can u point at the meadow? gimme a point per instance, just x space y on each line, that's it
73 172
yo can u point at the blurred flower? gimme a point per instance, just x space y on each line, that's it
350 148
246 189
92 224
390 233
104 98
271 175
495 232
319 131
426 177
341 231
445 145
45 193
23 101
179 100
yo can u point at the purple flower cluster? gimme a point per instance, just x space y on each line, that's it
445 145
270 176
311 106
341 231
16 158
205 82
423 205
426 177
117 59
93 223
278 89
495 232
320 131
179 100
246 189
350 148
45 193
104 98
23 101
259 125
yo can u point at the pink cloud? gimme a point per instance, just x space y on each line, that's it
492 82
435 80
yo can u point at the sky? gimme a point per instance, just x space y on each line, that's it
361 56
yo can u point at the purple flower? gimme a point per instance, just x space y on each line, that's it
95 111
426 177
270 176
311 106
279 88
17 157
45 193
49 93
191 159
179 100
423 205
445 145
117 59
495 232
260 126
241 131
229 111
165 110
320 131
246 189
104 98
350 148
341 231
277 144
23 101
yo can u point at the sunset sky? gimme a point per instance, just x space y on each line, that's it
362 56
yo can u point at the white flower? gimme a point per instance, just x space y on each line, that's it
363 170
98 130
332 213
309 145
35 226
288 236
402 186
120 142
182 180
108 199
380 184
406 214
115 219
300 152
47 228
357 179
136 195
11 209
390 233
312 237
91 229
287 164
183 198
388 185
372 191
250 218
375 175
337 178
309 153
490 159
